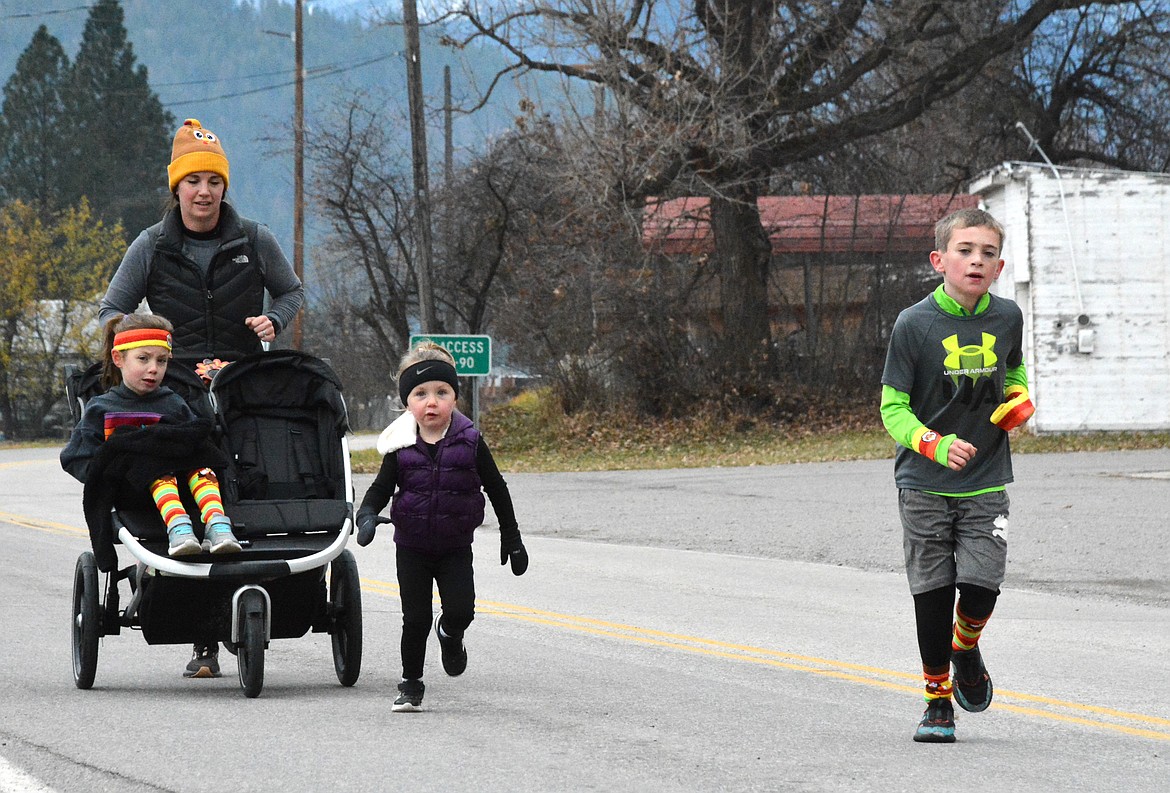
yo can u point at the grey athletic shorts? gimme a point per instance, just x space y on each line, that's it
949 540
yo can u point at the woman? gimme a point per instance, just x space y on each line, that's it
206 269
203 266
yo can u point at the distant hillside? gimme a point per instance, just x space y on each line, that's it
213 60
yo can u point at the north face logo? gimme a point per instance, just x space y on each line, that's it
243 259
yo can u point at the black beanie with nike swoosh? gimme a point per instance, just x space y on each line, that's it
424 372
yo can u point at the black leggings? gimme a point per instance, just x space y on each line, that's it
452 571
934 613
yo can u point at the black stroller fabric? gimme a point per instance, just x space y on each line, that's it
283 417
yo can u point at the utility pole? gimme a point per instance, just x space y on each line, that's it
448 127
418 150
299 171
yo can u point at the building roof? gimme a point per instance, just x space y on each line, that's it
810 224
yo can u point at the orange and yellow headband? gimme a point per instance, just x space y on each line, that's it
142 337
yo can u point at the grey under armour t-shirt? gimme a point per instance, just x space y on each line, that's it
953 367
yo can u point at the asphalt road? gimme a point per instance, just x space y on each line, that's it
710 629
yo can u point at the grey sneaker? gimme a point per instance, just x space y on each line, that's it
204 661
218 537
453 652
181 540
410 696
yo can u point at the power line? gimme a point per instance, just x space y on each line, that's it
241 77
328 72
327 67
45 13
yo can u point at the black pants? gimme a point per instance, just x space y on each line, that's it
452 571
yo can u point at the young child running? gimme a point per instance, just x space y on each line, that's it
137 350
954 384
436 467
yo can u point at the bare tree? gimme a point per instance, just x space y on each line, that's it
362 184
477 213
360 189
1095 87
721 97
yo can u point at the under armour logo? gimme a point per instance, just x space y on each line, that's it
970 360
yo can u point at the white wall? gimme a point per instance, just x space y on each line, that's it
1112 373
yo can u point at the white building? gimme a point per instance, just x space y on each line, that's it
1087 258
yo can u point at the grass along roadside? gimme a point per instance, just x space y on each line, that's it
776 449
527 437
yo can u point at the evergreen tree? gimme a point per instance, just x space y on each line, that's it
33 150
121 131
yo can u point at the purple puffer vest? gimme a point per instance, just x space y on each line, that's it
439 503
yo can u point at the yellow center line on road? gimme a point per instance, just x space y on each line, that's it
1122 721
41 525
19 463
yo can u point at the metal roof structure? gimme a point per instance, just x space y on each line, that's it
810 224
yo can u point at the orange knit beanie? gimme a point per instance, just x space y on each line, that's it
196 149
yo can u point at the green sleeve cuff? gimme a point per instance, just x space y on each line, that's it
944 448
1016 375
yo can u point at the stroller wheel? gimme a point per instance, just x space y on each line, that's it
86 622
345 618
250 650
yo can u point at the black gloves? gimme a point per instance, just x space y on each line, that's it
512 550
367 524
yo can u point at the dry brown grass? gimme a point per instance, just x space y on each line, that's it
530 435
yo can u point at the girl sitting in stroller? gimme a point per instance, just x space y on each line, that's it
108 455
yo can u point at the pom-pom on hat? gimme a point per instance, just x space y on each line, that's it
196 149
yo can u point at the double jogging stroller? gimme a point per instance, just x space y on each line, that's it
280 419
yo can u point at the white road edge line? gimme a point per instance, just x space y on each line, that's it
13 780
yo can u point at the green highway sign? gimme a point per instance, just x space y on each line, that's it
472 354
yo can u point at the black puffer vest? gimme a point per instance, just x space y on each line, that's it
208 313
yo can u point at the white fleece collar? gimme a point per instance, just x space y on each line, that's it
401 432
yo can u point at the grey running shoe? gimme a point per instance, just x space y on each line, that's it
453 652
410 696
181 540
204 661
972 683
218 537
938 722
